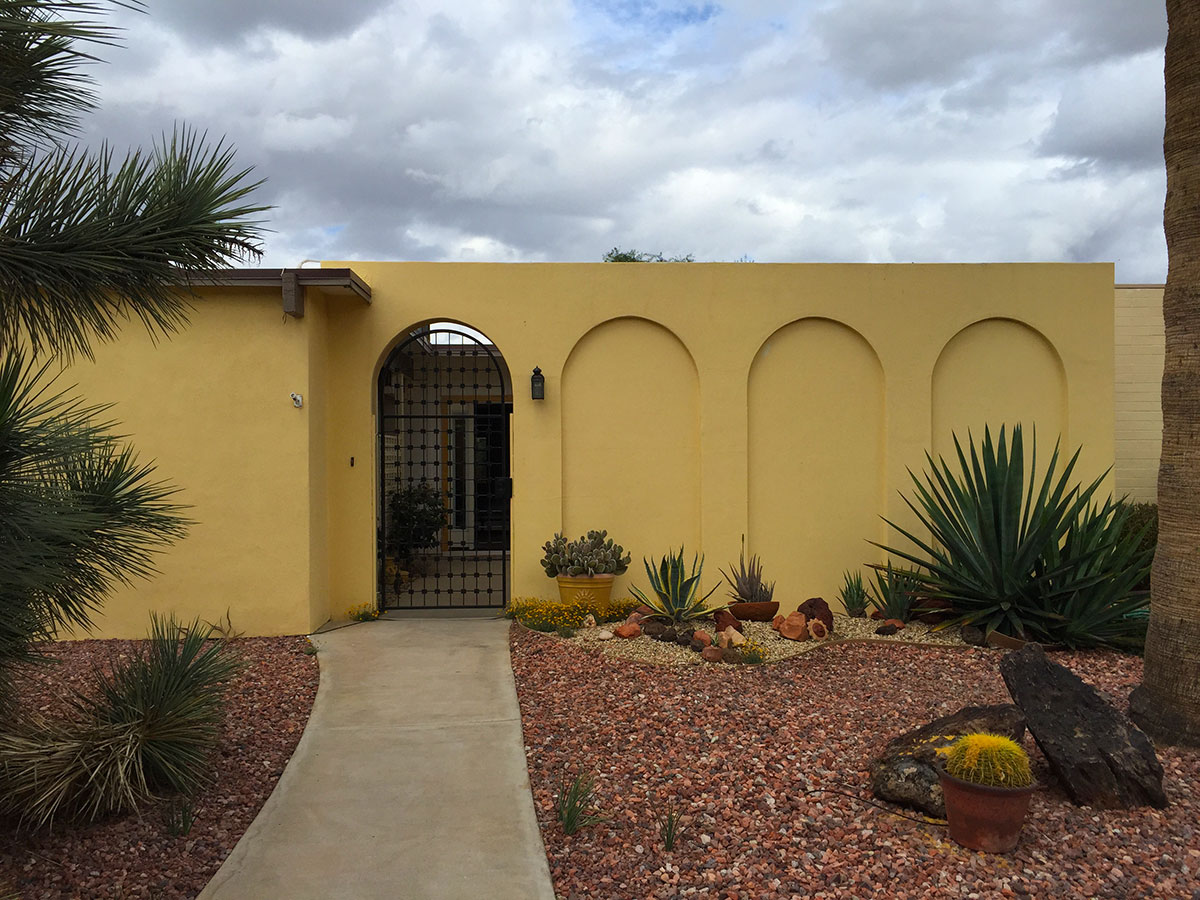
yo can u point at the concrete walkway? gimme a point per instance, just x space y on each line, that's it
409 781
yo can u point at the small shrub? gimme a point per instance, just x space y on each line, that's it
670 825
753 652
575 797
179 814
364 612
988 759
854 595
893 592
416 517
551 615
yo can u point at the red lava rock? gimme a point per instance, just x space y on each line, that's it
723 619
703 637
266 707
887 629
736 752
899 623
817 608
628 631
795 627
777 621
645 610
711 654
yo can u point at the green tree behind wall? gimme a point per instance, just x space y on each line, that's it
89 240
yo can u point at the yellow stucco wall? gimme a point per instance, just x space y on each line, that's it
211 408
1139 349
685 404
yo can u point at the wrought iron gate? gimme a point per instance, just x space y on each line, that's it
444 485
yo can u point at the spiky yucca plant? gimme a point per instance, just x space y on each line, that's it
676 592
747 581
989 759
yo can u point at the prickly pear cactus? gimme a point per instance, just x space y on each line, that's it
593 554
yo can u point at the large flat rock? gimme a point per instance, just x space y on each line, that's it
906 772
1101 758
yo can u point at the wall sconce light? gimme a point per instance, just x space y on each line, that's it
537 384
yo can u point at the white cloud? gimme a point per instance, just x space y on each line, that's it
874 130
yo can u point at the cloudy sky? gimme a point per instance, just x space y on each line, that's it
810 130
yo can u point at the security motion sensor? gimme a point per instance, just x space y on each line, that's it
297 400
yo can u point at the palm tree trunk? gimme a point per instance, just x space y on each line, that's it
1167 704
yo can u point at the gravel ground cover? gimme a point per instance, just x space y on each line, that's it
268 706
737 748
777 647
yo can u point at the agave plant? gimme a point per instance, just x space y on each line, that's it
854 595
676 593
1033 561
893 592
746 580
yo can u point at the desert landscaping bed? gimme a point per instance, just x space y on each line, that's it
268 706
737 748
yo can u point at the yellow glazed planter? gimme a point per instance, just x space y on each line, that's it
595 590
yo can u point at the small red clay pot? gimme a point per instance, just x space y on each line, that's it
754 612
983 817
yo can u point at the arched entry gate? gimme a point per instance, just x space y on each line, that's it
444 404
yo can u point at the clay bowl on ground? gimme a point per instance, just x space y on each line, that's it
755 612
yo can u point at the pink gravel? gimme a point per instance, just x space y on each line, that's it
737 747
268 706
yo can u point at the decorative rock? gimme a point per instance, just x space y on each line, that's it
703 637
886 630
817 630
682 638
711 654
973 635
653 629
589 621
667 636
875 614
644 610
795 627
1101 758
736 639
906 772
697 646
628 631
605 635
723 619
899 623
777 621
722 640
635 618
817 608
731 656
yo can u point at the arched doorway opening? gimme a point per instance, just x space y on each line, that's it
443 407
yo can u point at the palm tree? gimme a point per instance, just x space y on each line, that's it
1167 704
87 241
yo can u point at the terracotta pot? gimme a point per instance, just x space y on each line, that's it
982 817
596 590
754 612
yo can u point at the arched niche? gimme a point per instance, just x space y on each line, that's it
630 438
816 456
998 372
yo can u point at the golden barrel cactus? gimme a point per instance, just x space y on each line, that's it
989 759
